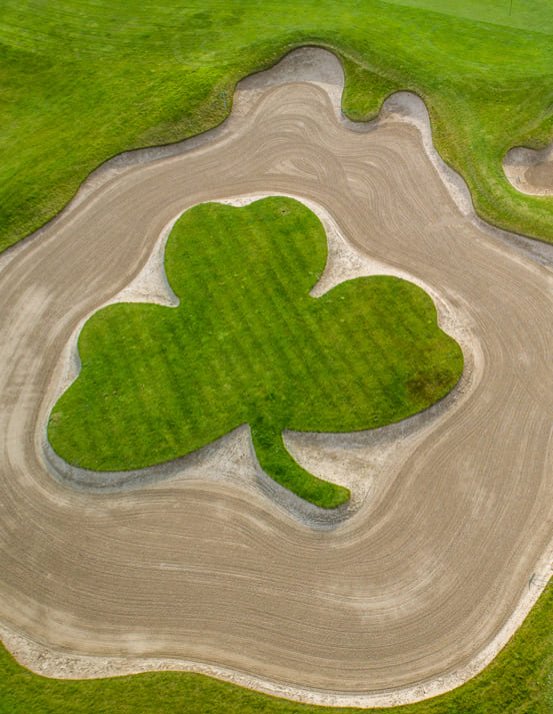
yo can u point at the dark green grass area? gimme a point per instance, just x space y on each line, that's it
82 81
518 681
249 345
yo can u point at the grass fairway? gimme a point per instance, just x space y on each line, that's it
519 681
84 81
518 14
248 344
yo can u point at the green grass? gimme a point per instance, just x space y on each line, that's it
518 681
82 81
519 14
249 345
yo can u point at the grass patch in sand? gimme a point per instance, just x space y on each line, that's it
249 345
518 681
84 81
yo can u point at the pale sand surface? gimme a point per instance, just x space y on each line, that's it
530 171
413 593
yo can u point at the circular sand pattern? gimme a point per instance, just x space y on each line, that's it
410 595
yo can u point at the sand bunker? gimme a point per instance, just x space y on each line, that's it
530 171
451 543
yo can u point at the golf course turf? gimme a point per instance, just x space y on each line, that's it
248 344
114 78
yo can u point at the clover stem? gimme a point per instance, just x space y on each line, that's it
276 461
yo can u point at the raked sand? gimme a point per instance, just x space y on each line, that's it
213 570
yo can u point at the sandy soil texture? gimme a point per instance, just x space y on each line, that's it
530 171
410 595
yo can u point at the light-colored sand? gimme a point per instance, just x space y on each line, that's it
408 597
530 171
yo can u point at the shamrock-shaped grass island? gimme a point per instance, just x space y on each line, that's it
248 344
